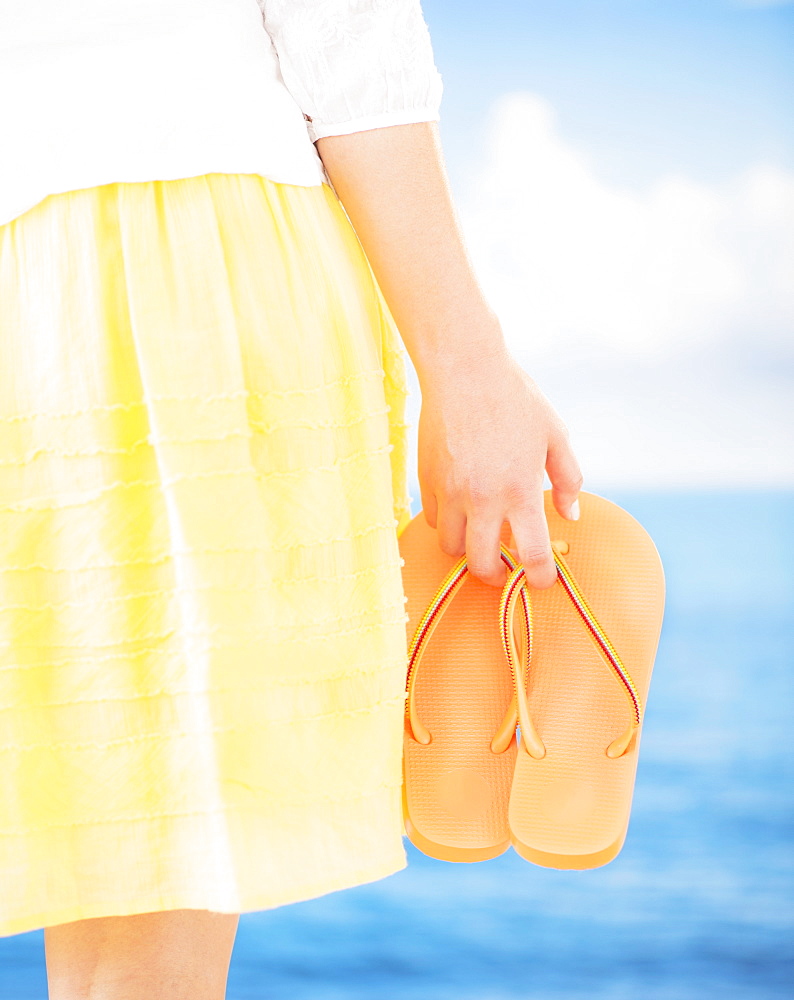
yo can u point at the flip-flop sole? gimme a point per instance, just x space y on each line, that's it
571 808
456 790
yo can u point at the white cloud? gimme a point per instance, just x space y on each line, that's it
660 323
577 265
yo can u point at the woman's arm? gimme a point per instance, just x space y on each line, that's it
486 432
395 191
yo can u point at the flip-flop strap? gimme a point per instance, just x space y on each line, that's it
450 585
516 584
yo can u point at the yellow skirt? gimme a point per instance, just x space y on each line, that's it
202 619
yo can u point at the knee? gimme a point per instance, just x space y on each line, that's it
171 953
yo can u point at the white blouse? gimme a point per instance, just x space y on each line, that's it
97 91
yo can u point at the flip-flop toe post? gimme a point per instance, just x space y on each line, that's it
459 743
592 643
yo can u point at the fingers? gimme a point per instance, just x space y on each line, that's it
483 549
478 535
450 529
565 476
429 506
533 545
475 529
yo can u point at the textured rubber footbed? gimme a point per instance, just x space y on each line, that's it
571 808
456 790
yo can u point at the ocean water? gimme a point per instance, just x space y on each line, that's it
700 903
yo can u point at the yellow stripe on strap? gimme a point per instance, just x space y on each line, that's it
517 587
449 586
517 582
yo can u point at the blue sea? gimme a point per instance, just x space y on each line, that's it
700 903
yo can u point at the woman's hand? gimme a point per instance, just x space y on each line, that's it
486 431
486 434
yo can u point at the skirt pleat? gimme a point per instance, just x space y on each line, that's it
202 621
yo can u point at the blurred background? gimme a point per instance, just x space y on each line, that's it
624 171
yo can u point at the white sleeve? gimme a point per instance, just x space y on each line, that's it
353 65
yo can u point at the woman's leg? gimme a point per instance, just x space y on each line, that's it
173 954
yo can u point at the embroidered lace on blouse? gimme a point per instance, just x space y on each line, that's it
97 92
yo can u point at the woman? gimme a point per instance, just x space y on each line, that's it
203 469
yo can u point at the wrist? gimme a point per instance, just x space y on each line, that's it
457 349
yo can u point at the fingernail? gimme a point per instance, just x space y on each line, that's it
574 512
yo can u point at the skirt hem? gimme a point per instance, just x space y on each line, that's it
159 903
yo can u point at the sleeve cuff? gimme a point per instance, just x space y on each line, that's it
410 116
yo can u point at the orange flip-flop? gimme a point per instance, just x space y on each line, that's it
592 641
460 742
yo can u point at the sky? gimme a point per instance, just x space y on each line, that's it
624 172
